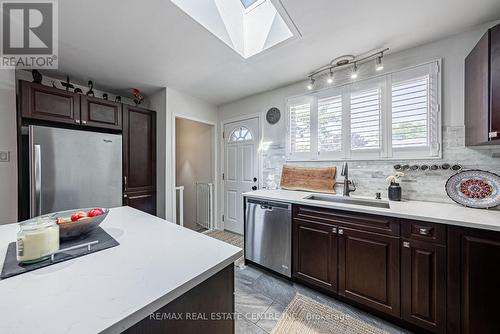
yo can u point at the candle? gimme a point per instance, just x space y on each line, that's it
37 239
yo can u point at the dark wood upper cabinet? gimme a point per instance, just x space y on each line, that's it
315 253
145 201
473 274
482 91
139 149
101 113
369 269
423 284
49 104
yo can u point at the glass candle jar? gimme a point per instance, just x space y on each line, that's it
37 239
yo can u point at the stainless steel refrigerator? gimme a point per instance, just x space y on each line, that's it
71 169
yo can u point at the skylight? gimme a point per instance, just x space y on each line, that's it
247 3
247 26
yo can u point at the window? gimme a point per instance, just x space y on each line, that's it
330 124
394 116
247 3
300 125
365 120
410 113
240 134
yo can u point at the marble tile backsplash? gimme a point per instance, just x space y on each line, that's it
370 176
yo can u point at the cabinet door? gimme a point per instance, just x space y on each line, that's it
369 269
139 151
49 104
495 83
315 253
423 284
141 201
101 113
473 289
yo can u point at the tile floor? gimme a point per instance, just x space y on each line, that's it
261 297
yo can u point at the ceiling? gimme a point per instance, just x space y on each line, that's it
151 44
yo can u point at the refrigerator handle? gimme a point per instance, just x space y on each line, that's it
37 171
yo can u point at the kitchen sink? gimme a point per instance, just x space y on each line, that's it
349 200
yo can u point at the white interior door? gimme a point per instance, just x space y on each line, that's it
241 170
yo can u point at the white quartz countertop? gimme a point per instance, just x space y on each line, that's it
113 289
452 214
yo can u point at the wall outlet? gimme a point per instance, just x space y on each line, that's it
4 156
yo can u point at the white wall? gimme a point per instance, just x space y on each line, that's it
452 50
194 162
182 105
8 142
371 175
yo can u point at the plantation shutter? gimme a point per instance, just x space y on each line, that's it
415 120
365 119
410 113
330 124
300 128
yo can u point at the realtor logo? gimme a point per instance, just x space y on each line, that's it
29 34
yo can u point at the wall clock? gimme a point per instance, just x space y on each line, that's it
273 115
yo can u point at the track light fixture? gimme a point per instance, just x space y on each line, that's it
346 61
354 73
310 86
330 77
379 66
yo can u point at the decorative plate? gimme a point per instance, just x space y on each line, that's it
273 115
475 189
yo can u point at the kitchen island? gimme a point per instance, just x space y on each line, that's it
158 268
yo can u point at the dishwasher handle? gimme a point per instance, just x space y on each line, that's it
267 205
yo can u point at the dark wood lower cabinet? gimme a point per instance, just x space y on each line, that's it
144 201
430 277
473 281
315 253
423 284
200 310
369 269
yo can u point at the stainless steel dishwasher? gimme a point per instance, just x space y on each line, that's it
268 234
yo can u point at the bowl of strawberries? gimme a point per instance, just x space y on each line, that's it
77 223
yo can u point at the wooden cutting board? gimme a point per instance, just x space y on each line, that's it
317 179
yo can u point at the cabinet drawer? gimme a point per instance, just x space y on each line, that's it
367 222
425 231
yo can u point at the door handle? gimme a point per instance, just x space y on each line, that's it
493 134
254 179
254 188
37 173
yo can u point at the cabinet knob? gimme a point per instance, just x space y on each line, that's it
493 134
77 121
341 231
84 122
423 231
406 244
334 230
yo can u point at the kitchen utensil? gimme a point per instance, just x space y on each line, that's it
475 189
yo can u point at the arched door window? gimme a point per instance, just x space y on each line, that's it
240 134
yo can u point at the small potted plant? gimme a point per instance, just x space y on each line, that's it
394 187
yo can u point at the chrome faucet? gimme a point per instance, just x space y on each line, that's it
347 182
